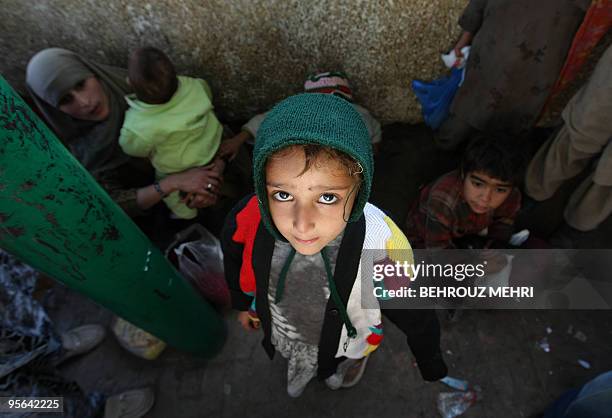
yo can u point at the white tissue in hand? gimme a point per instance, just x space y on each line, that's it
451 60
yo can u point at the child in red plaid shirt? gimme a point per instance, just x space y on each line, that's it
475 207
479 201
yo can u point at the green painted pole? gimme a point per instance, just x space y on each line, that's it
55 217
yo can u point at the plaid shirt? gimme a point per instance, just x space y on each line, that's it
441 215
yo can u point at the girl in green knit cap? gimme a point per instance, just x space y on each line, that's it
293 251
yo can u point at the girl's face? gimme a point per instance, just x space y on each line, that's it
484 193
309 209
87 100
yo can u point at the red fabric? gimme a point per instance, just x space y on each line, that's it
374 339
333 89
247 222
596 23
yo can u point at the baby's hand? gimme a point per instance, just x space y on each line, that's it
219 165
247 322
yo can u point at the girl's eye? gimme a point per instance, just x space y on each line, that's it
328 198
79 85
66 100
282 196
502 190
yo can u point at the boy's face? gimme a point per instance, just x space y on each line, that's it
484 193
309 209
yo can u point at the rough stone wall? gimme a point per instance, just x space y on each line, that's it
253 52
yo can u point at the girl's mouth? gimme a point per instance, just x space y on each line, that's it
306 241
96 110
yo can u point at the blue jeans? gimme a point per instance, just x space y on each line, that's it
593 400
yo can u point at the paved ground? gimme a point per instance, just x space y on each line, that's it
497 350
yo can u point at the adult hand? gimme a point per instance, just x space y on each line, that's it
198 180
202 183
248 323
464 40
200 200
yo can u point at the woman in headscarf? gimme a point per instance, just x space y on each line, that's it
84 104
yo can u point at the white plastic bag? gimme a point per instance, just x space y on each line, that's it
200 260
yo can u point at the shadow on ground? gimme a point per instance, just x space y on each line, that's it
497 350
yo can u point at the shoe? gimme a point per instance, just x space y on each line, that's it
295 391
354 372
81 339
334 382
131 404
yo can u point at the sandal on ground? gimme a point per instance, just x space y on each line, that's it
81 339
334 382
131 404
354 372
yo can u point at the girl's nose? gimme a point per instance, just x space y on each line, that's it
81 98
303 219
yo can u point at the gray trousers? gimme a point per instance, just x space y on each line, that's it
585 140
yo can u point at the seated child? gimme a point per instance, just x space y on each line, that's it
170 120
478 202
472 207
292 252
335 83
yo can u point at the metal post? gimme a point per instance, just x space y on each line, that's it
55 217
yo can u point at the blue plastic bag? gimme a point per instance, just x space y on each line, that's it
436 96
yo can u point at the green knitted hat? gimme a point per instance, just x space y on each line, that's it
313 118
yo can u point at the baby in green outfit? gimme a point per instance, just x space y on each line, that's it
170 120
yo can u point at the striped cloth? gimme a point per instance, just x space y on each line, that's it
331 82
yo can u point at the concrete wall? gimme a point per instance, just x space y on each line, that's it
253 52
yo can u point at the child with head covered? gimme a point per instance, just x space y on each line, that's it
329 82
292 252
171 121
